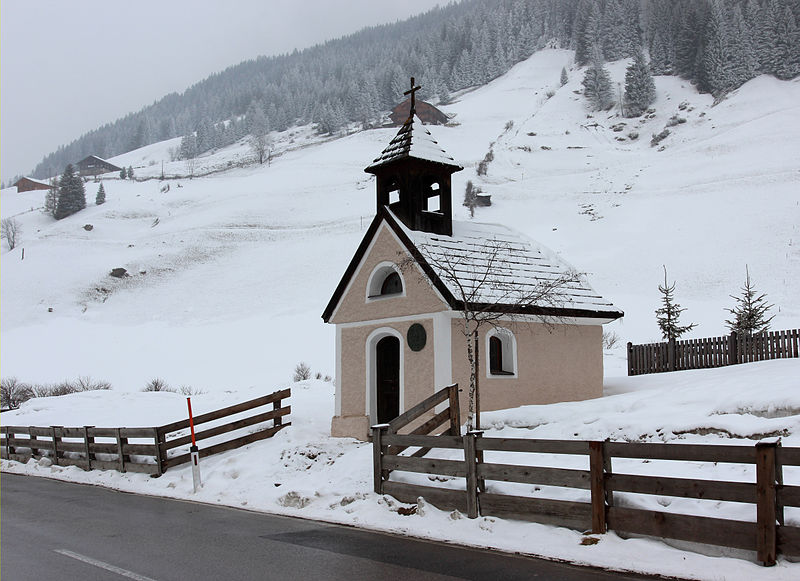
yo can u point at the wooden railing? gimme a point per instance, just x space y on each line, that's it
150 450
712 351
469 486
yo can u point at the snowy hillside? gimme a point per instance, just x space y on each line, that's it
230 272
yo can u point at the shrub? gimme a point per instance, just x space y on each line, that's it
610 339
158 384
659 137
301 372
13 392
189 390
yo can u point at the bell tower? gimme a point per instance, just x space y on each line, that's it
413 177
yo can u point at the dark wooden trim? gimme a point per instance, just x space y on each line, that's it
685 452
535 475
567 513
533 445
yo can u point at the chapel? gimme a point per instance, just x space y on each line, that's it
398 309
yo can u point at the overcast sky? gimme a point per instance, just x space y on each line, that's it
69 67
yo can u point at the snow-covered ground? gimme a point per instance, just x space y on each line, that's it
229 274
304 472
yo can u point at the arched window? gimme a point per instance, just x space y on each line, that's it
385 281
392 285
501 353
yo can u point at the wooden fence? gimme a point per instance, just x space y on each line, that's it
712 351
150 450
607 503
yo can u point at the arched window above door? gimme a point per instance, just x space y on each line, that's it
385 281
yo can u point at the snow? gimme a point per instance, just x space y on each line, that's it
413 141
519 266
229 274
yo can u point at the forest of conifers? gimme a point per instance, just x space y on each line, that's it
716 44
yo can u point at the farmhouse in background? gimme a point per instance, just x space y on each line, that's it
426 112
93 166
30 184
398 327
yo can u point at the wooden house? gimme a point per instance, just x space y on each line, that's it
93 165
30 184
426 112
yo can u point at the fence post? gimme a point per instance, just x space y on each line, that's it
630 358
598 486
733 349
56 439
766 502
470 458
32 440
278 421
671 364
88 441
120 443
159 456
378 431
454 409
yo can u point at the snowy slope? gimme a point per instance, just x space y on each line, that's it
240 263
229 274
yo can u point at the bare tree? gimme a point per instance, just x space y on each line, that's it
10 230
259 145
486 291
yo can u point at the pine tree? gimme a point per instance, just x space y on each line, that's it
660 56
564 77
717 77
130 172
51 198
750 312
640 89
668 314
597 84
123 173
587 31
101 195
787 45
71 194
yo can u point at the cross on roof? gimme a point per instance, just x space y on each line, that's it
411 91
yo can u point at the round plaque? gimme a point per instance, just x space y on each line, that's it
417 337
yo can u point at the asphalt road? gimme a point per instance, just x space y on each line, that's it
60 531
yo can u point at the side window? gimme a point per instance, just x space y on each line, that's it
502 356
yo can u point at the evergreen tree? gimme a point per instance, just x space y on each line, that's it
587 31
188 147
750 312
787 45
101 195
123 173
744 62
640 89
564 77
71 194
597 84
668 314
130 172
717 77
51 198
660 56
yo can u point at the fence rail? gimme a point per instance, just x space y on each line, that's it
151 450
598 510
712 351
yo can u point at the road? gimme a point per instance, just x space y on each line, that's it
61 531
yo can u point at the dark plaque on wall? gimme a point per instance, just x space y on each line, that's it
416 337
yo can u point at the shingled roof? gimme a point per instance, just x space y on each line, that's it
519 267
413 141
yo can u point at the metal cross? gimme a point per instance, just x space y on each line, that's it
411 91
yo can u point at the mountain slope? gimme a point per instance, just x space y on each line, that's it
229 273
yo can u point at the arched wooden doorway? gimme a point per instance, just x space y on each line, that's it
387 376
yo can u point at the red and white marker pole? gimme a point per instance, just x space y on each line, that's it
195 454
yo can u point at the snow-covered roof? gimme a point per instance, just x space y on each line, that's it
34 180
493 264
413 141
